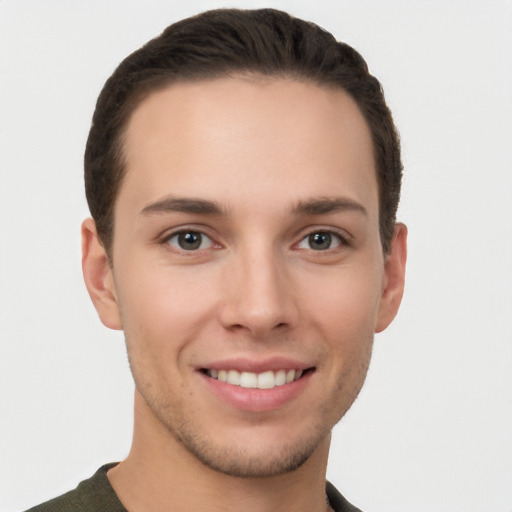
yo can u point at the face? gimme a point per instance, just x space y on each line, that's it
248 272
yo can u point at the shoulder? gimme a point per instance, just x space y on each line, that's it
91 495
337 501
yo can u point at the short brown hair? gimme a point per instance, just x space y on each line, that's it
222 43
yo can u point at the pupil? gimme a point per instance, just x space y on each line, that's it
189 240
320 241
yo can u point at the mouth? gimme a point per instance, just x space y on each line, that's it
264 380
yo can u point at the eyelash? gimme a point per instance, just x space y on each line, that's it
332 236
183 232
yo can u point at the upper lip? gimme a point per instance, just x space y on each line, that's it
242 364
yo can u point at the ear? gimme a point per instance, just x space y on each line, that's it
98 276
394 278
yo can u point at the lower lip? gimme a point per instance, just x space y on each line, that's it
257 400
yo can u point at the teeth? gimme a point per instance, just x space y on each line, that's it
280 378
246 379
234 377
264 380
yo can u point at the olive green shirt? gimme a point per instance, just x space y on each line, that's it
97 495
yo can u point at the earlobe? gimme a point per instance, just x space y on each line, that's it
98 276
394 278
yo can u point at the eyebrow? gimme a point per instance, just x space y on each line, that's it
324 205
185 205
313 206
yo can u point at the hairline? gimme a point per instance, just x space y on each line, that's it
159 83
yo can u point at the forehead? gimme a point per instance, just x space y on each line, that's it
250 136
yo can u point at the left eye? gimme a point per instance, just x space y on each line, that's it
321 241
190 241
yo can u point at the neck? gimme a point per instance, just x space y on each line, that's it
159 471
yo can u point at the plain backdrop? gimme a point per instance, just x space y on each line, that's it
432 429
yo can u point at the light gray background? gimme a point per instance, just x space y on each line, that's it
432 429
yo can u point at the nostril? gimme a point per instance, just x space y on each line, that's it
236 327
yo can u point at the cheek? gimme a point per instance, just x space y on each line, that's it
345 311
162 309
347 302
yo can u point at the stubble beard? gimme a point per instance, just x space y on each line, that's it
235 460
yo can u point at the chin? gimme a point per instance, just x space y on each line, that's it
245 445
248 461
256 451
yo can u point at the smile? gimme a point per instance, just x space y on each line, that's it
264 380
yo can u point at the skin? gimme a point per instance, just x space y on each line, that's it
281 160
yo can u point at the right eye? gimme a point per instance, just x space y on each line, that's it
321 241
189 241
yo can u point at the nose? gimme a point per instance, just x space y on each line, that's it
258 294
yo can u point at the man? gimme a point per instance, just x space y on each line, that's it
243 175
